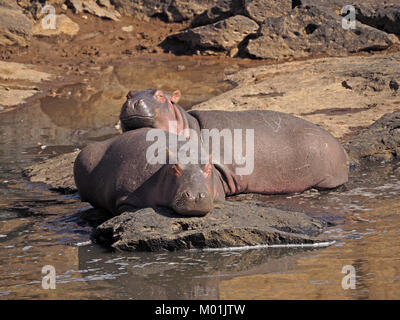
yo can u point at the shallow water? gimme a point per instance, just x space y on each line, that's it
39 227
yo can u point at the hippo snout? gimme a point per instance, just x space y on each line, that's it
193 204
136 108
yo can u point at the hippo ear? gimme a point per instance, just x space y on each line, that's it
176 170
208 168
131 94
174 98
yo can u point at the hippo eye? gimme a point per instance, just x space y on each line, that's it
159 96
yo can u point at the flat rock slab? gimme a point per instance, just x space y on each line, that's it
57 172
336 93
230 224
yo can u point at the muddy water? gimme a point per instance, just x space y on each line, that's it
38 227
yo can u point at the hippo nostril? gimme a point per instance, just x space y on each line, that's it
202 195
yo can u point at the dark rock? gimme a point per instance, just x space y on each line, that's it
257 10
15 27
380 141
383 18
308 31
230 224
223 9
383 15
220 36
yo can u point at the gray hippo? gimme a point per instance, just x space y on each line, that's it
115 175
290 154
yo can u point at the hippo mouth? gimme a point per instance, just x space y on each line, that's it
135 116
137 121
192 206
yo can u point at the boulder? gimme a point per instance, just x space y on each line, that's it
15 27
171 11
230 224
101 8
259 10
223 9
383 15
378 142
222 36
308 31
63 25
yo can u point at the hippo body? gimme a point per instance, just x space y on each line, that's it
290 154
116 176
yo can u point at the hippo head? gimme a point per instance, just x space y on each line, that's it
191 188
150 108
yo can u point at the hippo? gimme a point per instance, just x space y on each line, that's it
154 109
116 176
290 153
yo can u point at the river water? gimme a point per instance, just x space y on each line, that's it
39 227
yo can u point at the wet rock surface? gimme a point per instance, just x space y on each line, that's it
56 172
378 142
228 225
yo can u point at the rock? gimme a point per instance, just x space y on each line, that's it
379 142
259 10
383 15
338 94
308 31
383 18
223 9
9 4
127 28
230 224
220 36
63 25
57 172
15 27
104 10
171 11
